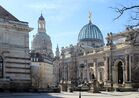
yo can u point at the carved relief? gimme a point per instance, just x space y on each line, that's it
131 38
119 57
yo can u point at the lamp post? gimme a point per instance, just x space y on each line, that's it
110 44
80 86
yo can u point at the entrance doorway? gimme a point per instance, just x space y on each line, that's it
120 73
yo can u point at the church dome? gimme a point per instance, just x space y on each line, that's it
41 41
90 32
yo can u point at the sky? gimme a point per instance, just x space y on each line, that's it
65 18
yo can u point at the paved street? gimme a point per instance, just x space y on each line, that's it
71 95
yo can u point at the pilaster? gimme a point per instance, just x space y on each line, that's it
130 63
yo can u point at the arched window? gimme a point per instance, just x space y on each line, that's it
43 26
1 67
39 25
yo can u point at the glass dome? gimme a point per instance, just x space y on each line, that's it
90 32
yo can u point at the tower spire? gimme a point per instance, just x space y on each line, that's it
41 12
57 52
90 16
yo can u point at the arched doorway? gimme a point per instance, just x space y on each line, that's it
1 67
120 72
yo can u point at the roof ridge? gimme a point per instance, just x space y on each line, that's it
7 15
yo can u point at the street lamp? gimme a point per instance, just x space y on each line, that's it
80 87
110 44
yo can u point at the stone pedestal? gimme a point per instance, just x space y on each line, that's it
69 86
63 86
115 86
94 87
128 85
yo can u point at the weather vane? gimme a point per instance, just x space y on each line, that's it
90 16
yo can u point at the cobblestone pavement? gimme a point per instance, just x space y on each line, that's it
72 95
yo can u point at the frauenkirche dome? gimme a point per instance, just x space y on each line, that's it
42 42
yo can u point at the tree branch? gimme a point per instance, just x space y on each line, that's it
134 14
122 10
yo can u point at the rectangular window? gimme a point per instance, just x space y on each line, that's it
101 76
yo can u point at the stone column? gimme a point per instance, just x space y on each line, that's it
110 68
124 71
115 80
130 63
88 73
127 69
95 69
106 69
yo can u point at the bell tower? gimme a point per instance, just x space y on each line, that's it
41 24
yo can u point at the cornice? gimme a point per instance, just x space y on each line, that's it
16 26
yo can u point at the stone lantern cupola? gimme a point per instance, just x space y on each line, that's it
41 24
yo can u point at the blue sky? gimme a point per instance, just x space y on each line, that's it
65 18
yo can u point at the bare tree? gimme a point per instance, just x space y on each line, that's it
36 77
134 16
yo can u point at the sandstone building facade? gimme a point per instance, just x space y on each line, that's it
14 48
115 64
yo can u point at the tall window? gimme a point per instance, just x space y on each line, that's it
81 76
101 76
1 67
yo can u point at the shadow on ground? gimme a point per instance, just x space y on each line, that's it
27 95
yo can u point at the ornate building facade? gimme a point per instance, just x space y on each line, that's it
42 57
14 48
112 65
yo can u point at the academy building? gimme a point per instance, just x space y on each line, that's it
113 65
